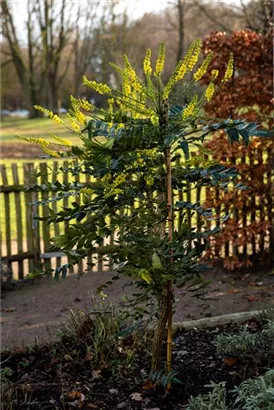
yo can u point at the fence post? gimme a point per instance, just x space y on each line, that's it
18 210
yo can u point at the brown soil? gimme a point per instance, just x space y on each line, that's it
66 376
35 310
20 150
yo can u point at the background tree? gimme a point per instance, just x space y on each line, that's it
95 32
256 15
49 29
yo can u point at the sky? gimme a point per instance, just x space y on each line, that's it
135 8
139 7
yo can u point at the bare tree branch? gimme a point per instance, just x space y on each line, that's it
211 17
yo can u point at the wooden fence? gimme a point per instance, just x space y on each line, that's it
25 242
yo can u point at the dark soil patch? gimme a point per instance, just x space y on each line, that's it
63 376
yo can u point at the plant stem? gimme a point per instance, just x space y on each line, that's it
169 284
159 333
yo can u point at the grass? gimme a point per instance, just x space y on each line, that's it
24 199
37 127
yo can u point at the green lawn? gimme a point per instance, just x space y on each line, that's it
38 127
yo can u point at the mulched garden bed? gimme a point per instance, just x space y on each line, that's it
62 376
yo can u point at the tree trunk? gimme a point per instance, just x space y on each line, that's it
181 30
52 94
159 333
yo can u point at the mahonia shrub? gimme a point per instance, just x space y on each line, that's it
249 93
138 152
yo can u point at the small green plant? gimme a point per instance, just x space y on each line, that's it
253 394
160 378
236 345
8 395
108 336
255 346
78 327
256 394
214 400
6 372
265 314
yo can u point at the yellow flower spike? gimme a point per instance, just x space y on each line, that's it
50 152
209 91
176 76
44 111
147 63
57 119
189 110
75 103
126 89
182 70
229 69
138 87
110 105
40 141
49 113
190 49
195 55
129 71
214 74
61 141
118 69
74 126
99 87
203 68
160 60
86 105
154 120
80 117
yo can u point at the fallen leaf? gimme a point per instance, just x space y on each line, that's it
252 298
113 391
233 291
75 404
27 387
136 397
96 374
148 385
76 395
231 361
219 294
89 356
91 406
122 405
68 358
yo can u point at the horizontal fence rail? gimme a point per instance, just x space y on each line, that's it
25 241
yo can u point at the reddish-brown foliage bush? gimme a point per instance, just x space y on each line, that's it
249 232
